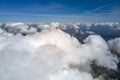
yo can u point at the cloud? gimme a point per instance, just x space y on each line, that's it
104 8
51 6
114 45
50 54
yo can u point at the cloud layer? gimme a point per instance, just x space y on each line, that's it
49 52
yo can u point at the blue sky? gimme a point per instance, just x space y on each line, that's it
60 10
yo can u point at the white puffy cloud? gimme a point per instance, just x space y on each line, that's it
52 55
55 25
114 45
72 75
100 51
1 30
16 28
13 27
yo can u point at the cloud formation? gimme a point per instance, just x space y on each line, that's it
50 54
114 45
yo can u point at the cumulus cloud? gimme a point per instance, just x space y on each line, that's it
52 55
100 51
71 28
16 28
114 45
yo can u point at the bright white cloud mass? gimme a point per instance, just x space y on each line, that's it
48 52
114 45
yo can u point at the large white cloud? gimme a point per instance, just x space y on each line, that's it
52 55
100 51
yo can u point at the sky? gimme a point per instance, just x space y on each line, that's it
60 10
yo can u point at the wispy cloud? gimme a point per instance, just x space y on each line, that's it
44 7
